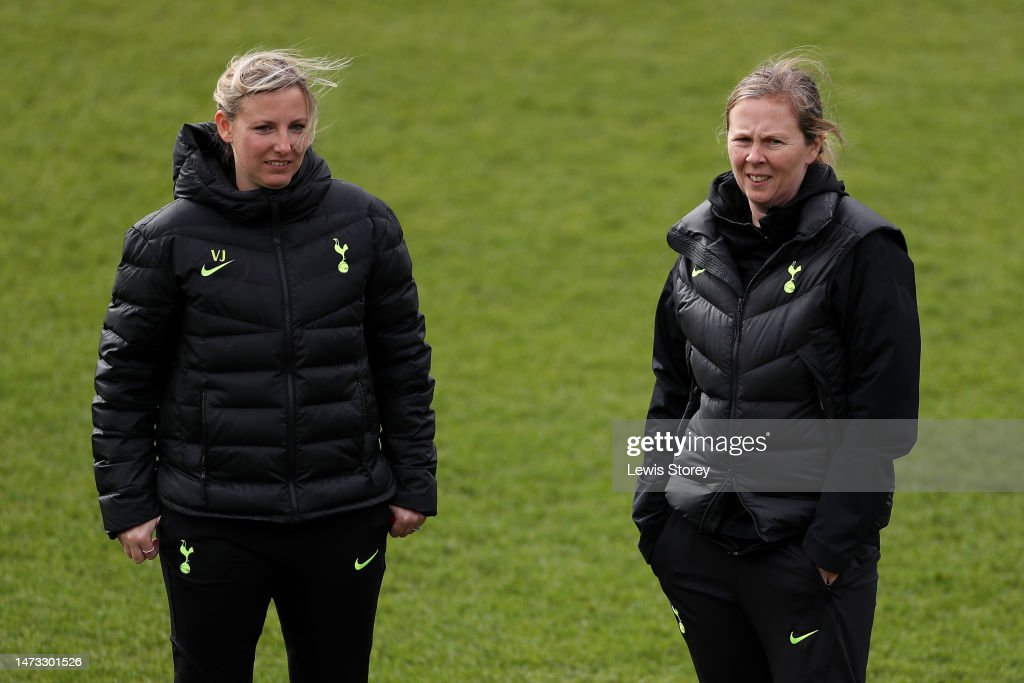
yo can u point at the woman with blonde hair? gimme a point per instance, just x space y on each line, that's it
790 301
262 413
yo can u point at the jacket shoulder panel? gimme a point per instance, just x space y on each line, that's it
698 221
176 217
862 220
343 196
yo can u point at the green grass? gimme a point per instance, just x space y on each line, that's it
536 152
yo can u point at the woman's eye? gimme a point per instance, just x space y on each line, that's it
298 127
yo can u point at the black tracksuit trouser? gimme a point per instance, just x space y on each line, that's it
323 575
765 616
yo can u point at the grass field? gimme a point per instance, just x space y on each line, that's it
536 152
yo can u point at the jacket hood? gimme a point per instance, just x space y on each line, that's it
730 204
723 219
200 175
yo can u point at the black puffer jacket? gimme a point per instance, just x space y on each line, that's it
812 316
263 356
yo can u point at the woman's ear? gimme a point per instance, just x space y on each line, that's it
223 126
815 150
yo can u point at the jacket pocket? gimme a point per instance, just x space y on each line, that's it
369 438
364 406
693 400
650 522
828 407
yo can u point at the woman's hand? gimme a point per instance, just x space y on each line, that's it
138 542
405 521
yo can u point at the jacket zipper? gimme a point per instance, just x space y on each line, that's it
289 352
734 397
204 434
753 517
735 394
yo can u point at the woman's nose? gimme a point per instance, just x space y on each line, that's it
283 143
754 156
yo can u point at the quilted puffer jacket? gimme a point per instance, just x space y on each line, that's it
824 328
263 355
